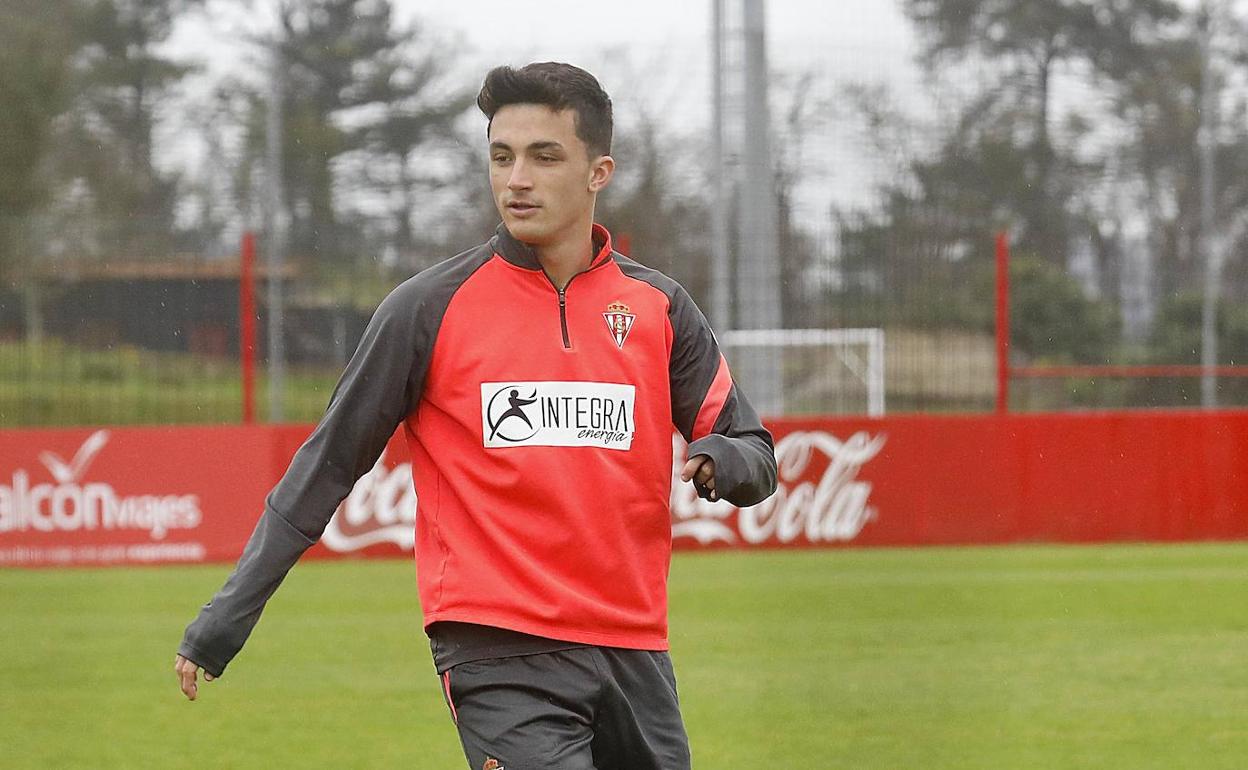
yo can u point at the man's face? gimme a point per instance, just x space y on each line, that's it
542 176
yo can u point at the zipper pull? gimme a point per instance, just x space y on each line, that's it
563 319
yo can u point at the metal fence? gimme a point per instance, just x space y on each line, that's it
893 168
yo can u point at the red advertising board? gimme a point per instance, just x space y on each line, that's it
980 479
127 495
187 494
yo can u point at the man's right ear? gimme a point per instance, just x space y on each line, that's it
601 170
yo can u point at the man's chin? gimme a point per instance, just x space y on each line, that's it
527 232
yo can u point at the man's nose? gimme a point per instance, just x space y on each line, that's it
519 178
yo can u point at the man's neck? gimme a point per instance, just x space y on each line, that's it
566 258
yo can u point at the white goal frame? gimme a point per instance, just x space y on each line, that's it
843 341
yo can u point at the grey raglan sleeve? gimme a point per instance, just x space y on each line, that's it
376 391
712 413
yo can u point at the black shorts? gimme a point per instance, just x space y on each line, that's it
588 708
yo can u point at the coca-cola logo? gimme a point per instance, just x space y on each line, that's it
69 503
830 507
380 509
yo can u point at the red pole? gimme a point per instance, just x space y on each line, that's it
1003 323
624 244
247 325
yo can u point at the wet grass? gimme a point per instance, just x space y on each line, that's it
1018 657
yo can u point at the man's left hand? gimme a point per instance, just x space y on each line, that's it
700 469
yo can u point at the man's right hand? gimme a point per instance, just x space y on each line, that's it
188 672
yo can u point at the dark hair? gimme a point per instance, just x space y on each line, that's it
558 86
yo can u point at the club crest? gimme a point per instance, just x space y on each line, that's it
619 322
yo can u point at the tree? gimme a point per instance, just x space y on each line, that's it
1176 340
355 83
34 82
119 81
222 194
1052 319
1027 44
800 115
1026 41
1007 157
666 228
923 255
417 114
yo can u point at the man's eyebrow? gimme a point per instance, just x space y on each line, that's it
548 144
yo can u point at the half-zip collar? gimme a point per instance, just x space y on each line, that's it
523 255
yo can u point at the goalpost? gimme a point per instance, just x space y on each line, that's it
823 370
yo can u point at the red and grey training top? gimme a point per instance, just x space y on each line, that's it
539 423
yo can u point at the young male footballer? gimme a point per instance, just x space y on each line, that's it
537 378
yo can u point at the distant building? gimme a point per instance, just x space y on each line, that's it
178 306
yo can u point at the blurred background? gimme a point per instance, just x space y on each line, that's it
840 168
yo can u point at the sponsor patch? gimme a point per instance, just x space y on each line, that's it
557 414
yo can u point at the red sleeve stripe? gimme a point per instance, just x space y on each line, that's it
713 404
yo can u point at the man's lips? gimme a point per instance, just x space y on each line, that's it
522 208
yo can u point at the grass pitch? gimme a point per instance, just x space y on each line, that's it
1019 657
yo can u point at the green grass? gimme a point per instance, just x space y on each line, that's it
58 384
1020 657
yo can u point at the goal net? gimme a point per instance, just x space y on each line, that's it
809 371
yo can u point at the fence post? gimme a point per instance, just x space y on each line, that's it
247 325
1003 323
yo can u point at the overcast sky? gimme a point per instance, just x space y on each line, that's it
652 53
576 29
649 54
858 38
